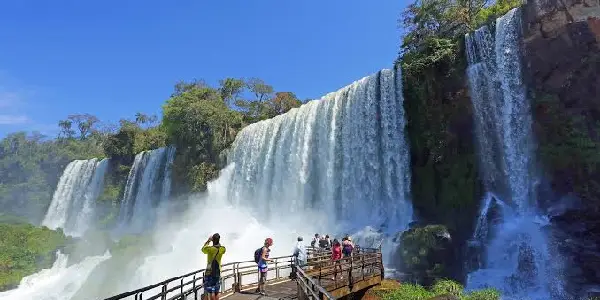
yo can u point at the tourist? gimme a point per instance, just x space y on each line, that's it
263 266
328 240
212 275
300 253
347 246
315 241
336 255
323 242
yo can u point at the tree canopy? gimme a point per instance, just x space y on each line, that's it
200 120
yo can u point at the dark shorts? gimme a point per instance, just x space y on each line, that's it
212 284
263 276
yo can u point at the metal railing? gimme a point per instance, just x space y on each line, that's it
235 276
311 289
313 279
322 274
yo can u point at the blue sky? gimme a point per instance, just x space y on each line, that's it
115 58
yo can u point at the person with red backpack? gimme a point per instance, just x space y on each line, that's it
261 257
212 274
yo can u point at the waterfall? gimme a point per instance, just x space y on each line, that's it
72 206
59 282
342 159
340 164
517 257
148 185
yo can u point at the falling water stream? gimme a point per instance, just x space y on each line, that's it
517 258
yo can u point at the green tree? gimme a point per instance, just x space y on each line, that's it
261 90
85 124
231 88
283 102
141 118
182 86
66 130
200 125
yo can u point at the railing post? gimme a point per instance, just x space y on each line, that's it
237 278
362 268
194 288
276 269
293 274
318 266
350 272
381 269
164 292
181 290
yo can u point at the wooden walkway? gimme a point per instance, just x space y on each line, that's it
320 279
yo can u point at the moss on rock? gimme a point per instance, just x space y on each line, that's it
425 253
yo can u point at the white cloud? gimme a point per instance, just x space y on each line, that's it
13 119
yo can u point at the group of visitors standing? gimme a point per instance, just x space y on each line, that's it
214 254
325 243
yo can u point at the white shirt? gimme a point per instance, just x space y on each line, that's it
300 250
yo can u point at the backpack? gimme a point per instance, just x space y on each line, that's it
347 249
215 270
323 243
258 254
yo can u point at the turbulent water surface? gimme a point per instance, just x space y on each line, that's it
57 283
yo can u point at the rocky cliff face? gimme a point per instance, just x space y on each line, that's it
562 64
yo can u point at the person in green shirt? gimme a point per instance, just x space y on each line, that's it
212 275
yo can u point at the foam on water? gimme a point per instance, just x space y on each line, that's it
57 283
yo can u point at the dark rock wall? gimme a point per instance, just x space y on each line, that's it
562 68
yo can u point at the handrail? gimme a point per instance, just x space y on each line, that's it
318 265
186 286
360 266
308 285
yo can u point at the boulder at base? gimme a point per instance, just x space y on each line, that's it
425 252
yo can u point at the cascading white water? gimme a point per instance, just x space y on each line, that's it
292 175
517 258
57 283
343 158
148 185
72 206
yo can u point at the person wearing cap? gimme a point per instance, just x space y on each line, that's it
212 275
300 253
263 267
